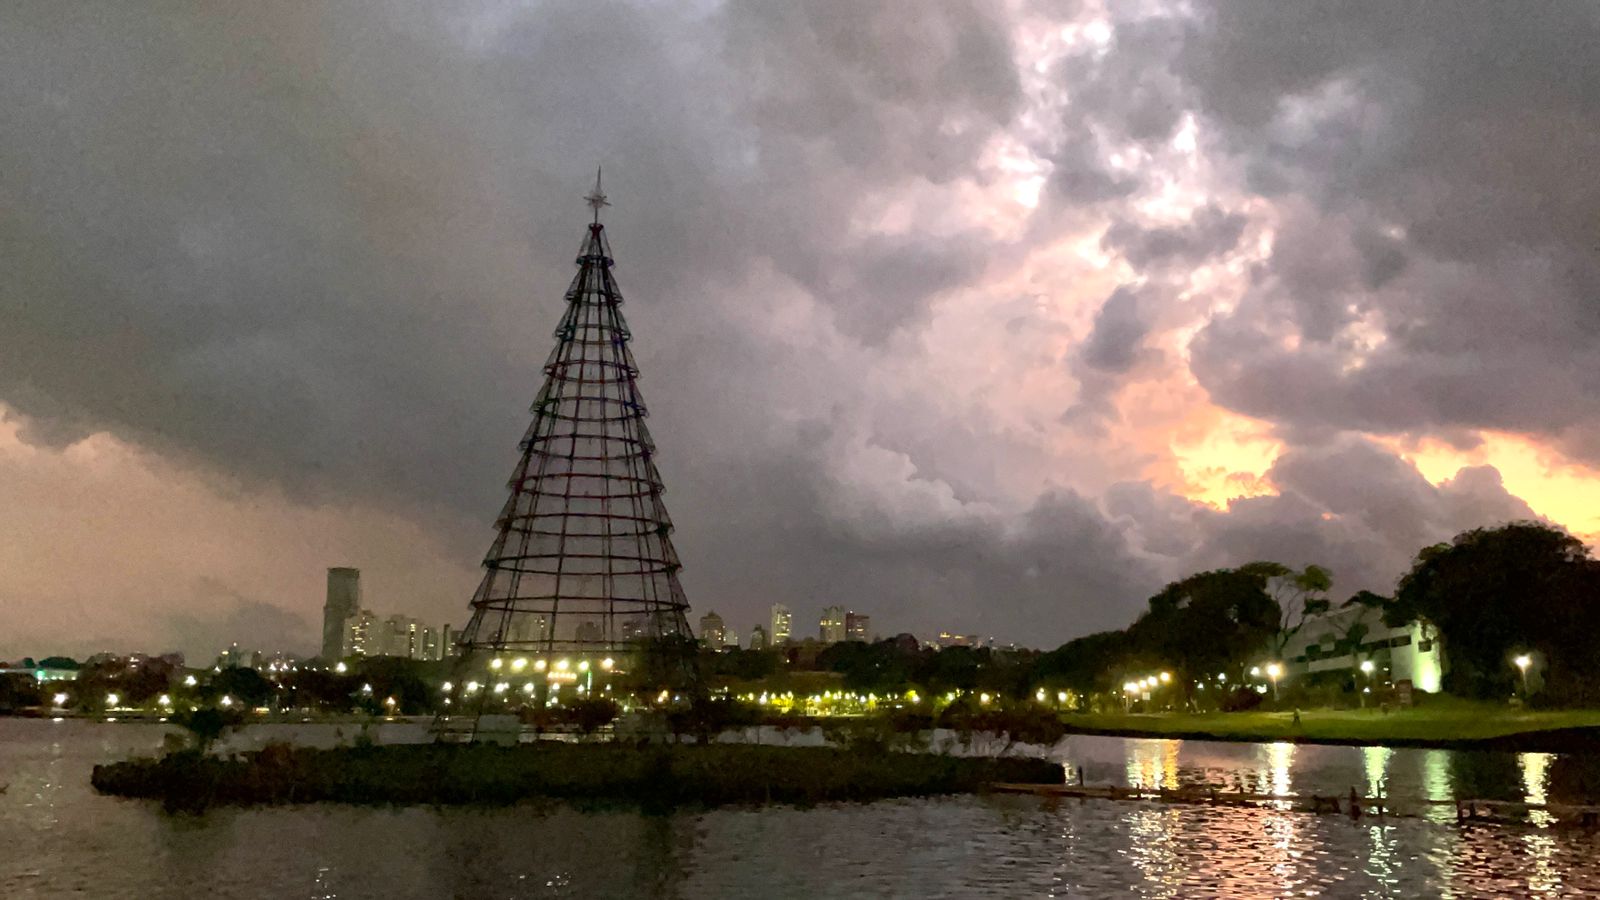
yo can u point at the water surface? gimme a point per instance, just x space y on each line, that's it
59 839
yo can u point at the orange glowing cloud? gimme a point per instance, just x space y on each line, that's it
1554 486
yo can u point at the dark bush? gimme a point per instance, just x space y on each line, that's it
655 777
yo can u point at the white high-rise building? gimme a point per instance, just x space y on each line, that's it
782 624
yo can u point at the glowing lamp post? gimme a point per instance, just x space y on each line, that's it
1522 662
1366 670
1274 672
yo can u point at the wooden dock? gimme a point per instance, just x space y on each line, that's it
1468 810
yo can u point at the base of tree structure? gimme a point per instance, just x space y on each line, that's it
656 776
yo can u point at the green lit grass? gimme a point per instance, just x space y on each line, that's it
1440 722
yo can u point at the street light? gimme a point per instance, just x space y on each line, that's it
1273 671
1522 662
1366 669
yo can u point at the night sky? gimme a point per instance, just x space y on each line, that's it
981 317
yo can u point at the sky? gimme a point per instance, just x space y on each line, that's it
981 317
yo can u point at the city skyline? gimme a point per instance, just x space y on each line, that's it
996 320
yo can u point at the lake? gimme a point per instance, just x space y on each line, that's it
59 839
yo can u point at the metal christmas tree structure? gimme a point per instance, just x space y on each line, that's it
582 568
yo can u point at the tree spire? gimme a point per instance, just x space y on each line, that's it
597 197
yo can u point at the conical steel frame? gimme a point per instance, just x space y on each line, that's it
582 568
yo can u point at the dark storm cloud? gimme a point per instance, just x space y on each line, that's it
228 615
1210 232
1444 154
322 247
1113 344
314 247
1356 509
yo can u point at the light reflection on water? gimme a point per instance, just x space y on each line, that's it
61 839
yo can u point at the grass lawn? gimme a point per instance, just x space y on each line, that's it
1437 720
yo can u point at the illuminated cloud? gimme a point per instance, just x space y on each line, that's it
979 316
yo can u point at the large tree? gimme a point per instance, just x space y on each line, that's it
1300 596
1495 592
1209 623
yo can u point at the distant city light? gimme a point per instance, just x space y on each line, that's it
540 665
583 665
341 668
496 663
1166 677
112 699
607 663
189 681
447 687
164 700
518 664
60 699
562 664
226 700
1367 666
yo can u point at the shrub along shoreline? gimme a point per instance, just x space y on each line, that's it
653 777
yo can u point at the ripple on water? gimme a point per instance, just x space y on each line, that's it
61 839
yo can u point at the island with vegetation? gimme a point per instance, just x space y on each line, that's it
651 776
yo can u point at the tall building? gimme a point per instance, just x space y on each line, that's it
758 638
344 599
857 627
633 628
363 635
228 659
782 624
400 636
712 631
832 624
